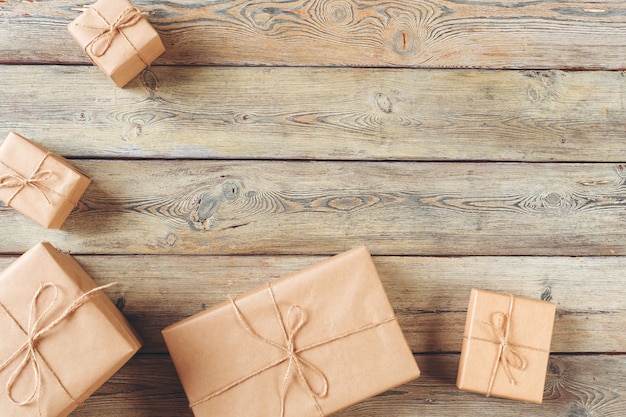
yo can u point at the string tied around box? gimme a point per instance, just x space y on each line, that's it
35 180
303 369
101 43
34 332
507 356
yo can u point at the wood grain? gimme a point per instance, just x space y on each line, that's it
272 134
303 113
429 295
146 386
575 386
443 33
248 207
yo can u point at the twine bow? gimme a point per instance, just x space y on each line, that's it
303 369
34 333
507 356
296 362
15 179
101 43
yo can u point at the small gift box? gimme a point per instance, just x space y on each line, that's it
506 346
38 183
306 345
117 38
62 337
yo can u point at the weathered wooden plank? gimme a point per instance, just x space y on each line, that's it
247 207
443 33
324 113
146 386
162 216
575 386
429 295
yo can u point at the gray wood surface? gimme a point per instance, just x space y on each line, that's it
433 33
321 113
429 294
291 207
466 143
575 386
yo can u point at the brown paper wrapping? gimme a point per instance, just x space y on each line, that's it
343 302
506 362
78 355
123 51
51 197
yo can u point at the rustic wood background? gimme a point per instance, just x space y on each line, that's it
466 143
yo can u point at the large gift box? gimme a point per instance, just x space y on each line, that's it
62 337
118 38
308 344
506 346
40 184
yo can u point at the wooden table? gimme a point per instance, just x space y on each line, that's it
466 143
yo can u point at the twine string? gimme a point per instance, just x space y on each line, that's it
35 180
295 361
34 333
304 370
290 330
101 43
507 356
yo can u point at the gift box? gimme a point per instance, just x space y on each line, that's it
308 344
40 184
62 337
506 346
117 38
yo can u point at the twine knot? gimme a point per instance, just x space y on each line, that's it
296 362
35 180
507 356
305 371
30 358
35 332
101 43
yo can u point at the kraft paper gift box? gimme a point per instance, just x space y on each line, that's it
39 184
308 344
506 346
117 38
62 337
